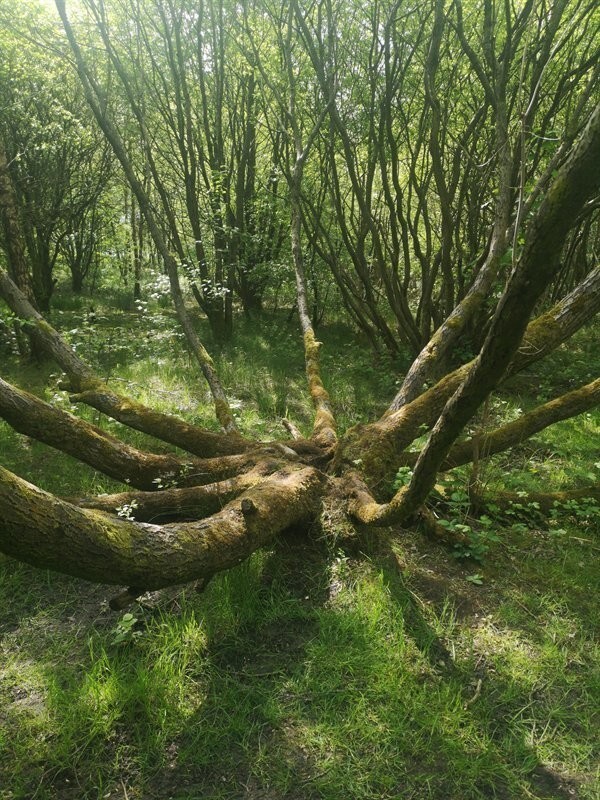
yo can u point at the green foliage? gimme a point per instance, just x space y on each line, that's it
478 541
125 631
402 478
475 579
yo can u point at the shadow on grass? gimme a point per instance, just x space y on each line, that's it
503 698
306 673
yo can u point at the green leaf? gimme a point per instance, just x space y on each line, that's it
476 578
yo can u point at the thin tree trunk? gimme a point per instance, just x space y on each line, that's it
199 352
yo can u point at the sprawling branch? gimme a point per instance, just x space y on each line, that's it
89 389
42 530
33 417
191 502
380 446
519 430
575 183
446 336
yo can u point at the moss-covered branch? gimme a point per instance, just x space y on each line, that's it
519 430
33 417
42 530
575 183
193 502
380 446
543 502
88 388
578 179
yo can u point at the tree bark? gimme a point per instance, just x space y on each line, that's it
69 434
42 530
15 249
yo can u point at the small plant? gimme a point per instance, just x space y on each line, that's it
526 511
126 510
170 480
584 510
477 542
402 478
125 631
476 578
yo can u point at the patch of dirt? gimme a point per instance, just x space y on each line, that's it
552 785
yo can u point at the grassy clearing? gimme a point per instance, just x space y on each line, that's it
310 671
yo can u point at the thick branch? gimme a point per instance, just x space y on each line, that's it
380 446
33 417
564 407
91 390
488 444
193 502
42 530
575 183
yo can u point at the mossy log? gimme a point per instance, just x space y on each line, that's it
543 502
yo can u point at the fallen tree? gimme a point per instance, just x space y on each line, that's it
233 495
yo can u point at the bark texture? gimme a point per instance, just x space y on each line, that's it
42 530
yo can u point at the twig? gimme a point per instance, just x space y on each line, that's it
476 694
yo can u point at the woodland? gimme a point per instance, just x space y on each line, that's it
293 289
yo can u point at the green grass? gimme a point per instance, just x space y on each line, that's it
309 671
317 670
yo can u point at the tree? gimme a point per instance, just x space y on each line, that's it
58 163
283 484
231 494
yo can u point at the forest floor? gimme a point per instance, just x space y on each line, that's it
317 669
